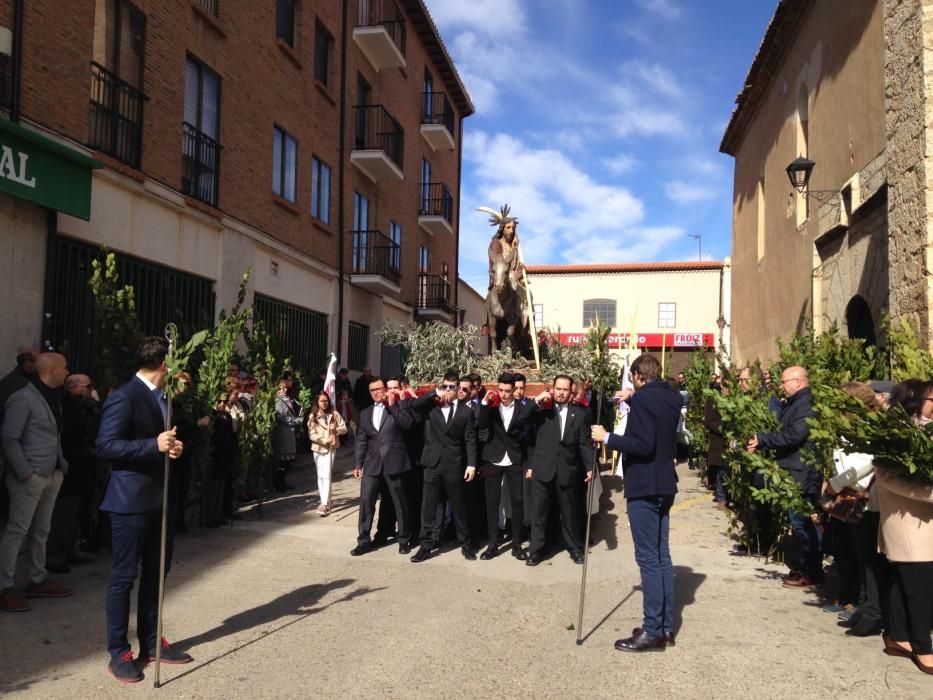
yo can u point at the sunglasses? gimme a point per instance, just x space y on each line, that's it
448 386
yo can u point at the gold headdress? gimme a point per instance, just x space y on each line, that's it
498 218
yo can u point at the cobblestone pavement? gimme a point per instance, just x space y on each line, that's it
276 608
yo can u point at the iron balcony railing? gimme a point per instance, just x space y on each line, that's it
377 129
376 254
200 165
209 6
436 200
434 293
116 124
436 109
385 14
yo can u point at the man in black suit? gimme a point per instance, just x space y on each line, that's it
504 454
133 438
448 459
648 449
562 463
382 460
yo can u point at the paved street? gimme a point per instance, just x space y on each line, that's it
278 609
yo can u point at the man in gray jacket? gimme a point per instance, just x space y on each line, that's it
35 468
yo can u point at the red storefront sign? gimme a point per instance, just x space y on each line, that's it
648 340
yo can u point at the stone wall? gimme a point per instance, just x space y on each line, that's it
909 109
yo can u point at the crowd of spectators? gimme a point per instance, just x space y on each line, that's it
870 528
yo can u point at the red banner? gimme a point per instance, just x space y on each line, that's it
648 340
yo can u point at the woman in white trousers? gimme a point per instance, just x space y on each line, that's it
324 425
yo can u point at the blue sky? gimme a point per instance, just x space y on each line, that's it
599 122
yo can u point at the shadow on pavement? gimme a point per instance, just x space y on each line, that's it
686 584
301 602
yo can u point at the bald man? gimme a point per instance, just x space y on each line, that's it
31 437
786 445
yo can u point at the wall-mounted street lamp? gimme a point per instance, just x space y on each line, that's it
798 172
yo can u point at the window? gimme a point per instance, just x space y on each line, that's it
395 254
667 315
425 185
284 158
424 259
603 310
428 95
323 50
200 149
357 346
361 226
320 190
539 315
285 11
116 118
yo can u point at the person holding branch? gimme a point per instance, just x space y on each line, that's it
648 450
133 438
324 425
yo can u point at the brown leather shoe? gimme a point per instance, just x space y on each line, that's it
922 666
10 602
47 589
800 582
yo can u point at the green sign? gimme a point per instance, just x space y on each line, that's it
36 168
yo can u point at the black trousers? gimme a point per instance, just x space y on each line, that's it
369 492
63 534
873 567
568 503
911 613
515 477
450 481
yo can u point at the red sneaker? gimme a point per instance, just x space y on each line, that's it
168 655
10 602
47 589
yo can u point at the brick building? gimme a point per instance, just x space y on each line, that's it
314 141
849 87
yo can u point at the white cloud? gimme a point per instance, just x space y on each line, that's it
681 192
498 18
566 215
667 9
620 164
655 77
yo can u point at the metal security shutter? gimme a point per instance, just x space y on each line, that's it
162 294
300 334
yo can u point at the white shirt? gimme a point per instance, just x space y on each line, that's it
448 411
152 387
378 410
506 412
562 415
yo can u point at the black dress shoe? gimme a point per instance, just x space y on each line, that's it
468 552
404 548
533 559
641 642
520 554
361 548
489 553
577 556
380 540
866 627
422 554
668 636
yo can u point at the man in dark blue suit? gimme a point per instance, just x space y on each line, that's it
648 450
133 438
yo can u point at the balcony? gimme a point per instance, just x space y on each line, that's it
116 119
378 144
376 263
200 165
437 121
380 33
436 212
434 299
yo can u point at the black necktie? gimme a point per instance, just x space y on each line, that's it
449 414
163 403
